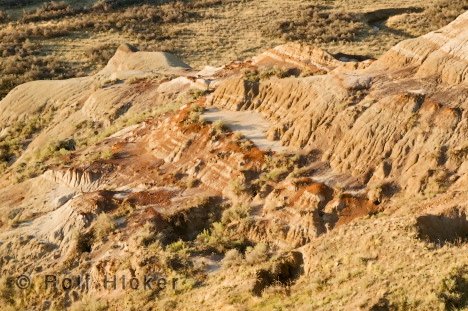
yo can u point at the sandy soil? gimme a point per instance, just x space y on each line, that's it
251 124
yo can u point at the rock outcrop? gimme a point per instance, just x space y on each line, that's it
80 180
399 120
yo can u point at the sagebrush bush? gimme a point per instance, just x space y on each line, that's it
217 238
219 127
235 213
231 258
275 174
257 254
176 247
103 226
238 186
50 10
315 24
435 16
100 54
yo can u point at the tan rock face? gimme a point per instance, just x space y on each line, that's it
83 181
126 88
127 58
440 55
294 54
406 111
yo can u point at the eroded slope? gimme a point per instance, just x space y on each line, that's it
365 206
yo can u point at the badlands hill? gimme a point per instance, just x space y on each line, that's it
294 180
50 40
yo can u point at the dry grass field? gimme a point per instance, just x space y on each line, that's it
56 40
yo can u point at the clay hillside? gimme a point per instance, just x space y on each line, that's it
292 180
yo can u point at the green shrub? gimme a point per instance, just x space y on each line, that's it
11 145
56 148
276 174
215 238
275 72
238 186
235 213
177 247
197 93
106 154
251 76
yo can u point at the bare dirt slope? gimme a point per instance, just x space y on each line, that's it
249 124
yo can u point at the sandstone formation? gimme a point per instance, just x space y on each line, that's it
371 167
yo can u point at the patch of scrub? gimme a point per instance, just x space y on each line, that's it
441 229
251 124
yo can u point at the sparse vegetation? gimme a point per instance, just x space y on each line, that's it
55 148
194 115
231 258
217 238
437 182
251 75
197 93
50 10
317 25
22 43
103 226
148 235
192 182
235 213
257 254
435 16
106 154
238 185
219 127
276 174
177 247
454 290
154 25
17 138
177 256
278 72
238 137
